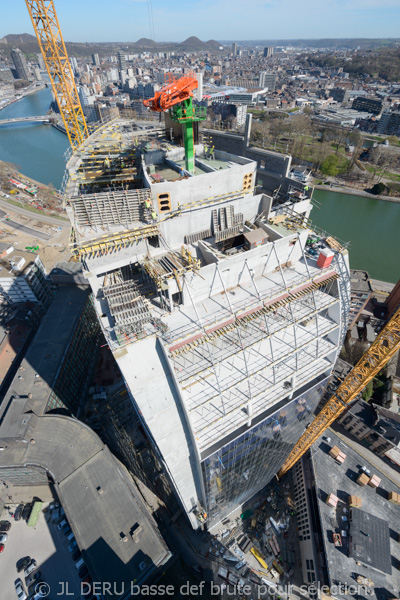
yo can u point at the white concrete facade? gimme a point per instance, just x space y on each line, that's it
232 332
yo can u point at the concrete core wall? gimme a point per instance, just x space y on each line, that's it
272 167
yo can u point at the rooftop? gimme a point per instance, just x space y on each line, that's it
370 540
44 356
330 477
16 263
97 493
100 499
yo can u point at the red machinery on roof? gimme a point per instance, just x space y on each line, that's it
177 97
175 92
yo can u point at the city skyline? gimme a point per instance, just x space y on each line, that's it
221 20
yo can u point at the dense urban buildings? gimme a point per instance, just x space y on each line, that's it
389 123
20 64
23 277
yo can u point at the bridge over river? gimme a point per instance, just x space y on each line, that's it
33 119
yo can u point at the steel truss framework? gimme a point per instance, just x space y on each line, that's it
52 46
385 346
220 403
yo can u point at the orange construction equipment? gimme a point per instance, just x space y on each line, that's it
177 97
175 92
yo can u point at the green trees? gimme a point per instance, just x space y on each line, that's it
383 63
333 165
379 188
368 391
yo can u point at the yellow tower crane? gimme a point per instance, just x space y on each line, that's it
384 347
52 46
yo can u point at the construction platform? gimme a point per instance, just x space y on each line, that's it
224 310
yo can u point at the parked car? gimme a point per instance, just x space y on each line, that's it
66 529
61 524
5 526
2 547
3 538
30 568
35 576
38 596
76 554
33 589
18 512
83 571
26 513
19 588
24 562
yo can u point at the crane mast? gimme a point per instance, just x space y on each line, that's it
48 33
384 347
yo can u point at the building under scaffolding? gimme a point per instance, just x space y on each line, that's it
224 309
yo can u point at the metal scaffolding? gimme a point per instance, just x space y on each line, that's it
171 265
259 354
111 243
111 208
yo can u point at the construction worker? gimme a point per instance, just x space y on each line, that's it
147 203
107 163
154 215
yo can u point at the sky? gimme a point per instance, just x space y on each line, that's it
128 20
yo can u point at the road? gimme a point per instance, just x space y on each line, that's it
39 234
61 222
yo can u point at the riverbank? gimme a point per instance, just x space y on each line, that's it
59 126
36 149
354 192
47 200
27 92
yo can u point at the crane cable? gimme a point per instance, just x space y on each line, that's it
151 21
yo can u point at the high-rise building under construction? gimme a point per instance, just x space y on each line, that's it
224 310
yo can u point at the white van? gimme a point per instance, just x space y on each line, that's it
79 564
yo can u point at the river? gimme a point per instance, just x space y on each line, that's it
37 150
372 226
